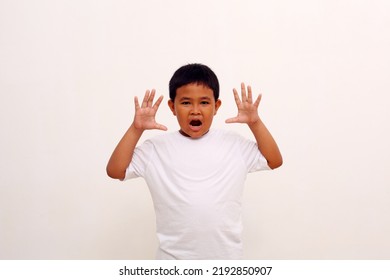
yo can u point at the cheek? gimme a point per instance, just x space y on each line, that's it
212 113
180 115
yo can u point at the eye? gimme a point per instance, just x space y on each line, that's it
205 102
185 103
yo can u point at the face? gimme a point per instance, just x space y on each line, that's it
194 108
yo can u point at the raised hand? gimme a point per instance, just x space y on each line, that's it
145 114
247 109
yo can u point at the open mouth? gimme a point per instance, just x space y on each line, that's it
195 123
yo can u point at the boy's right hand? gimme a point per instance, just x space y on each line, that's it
145 114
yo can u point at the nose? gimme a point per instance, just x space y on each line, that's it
195 110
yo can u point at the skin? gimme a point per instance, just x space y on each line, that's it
192 102
248 114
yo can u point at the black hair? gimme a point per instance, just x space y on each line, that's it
194 73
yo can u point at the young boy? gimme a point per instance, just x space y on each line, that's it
195 175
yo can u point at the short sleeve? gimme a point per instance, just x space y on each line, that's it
141 158
253 158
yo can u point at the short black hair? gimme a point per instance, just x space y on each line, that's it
193 73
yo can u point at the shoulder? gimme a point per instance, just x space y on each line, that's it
156 144
224 139
234 140
227 135
162 139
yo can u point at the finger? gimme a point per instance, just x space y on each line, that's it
161 127
257 102
146 98
243 93
158 102
232 120
250 94
236 97
136 103
151 97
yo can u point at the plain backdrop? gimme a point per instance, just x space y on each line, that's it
69 71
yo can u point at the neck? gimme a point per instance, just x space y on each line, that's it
186 135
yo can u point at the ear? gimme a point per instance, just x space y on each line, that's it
218 104
171 105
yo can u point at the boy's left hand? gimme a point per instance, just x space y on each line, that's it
247 109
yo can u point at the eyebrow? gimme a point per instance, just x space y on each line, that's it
189 98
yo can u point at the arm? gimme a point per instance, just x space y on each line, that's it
144 119
248 113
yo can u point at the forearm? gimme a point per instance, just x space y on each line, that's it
266 144
123 153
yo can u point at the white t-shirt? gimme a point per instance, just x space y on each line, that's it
197 186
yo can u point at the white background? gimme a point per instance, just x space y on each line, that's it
69 71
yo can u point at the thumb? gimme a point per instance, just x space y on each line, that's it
161 127
232 120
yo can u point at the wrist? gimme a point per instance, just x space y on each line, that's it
254 123
136 129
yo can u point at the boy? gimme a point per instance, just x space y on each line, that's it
195 175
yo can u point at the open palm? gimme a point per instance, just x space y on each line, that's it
247 109
145 115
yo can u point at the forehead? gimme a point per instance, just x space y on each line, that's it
194 91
